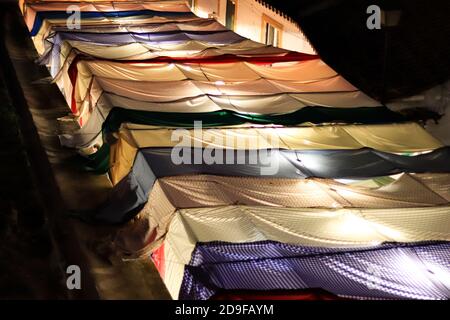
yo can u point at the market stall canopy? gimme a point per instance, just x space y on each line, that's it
294 164
133 192
35 14
344 228
387 138
217 111
309 82
402 270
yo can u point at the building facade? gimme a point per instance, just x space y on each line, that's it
255 20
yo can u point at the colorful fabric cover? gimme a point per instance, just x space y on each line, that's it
152 202
314 228
306 82
391 271
41 16
386 138
102 124
294 164
137 71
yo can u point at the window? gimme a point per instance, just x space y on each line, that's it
230 18
271 31
272 35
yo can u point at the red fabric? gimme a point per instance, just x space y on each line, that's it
158 260
73 74
306 295
229 58
225 58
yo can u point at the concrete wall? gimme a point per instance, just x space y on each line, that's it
249 22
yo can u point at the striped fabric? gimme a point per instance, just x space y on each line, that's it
135 190
183 192
391 271
344 228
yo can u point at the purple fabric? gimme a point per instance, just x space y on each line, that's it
153 39
388 271
199 24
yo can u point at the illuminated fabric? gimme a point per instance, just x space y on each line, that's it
57 56
104 122
221 37
40 16
49 26
310 82
30 7
344 228
390 271
35 13
388 138
166 68
88 90
394 138
157 199
197 25
161 41
139 236
331 164
197 101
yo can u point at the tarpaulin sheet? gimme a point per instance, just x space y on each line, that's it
84 86
390 271
392 138
143 172
307 81
57 56
102 5
363 115
33 12
249 107
53 53
273 104
112 120
201 24
294 164
156 200
181 96
50 26
41 16
221 37
344 228
301 71
173 90
30 9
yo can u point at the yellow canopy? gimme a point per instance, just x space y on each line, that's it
393 138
